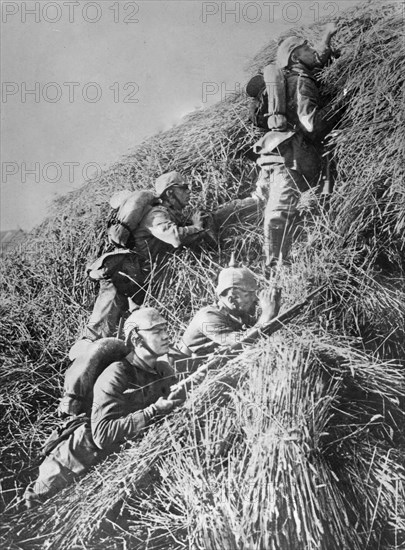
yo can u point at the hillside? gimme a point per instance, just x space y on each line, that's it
298 444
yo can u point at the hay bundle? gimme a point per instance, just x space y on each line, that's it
369 208
260 458
338 479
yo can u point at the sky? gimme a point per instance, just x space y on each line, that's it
83 82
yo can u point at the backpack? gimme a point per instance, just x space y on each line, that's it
258 108
82 374
129 207
269 99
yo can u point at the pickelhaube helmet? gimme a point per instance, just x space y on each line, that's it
144 318
165 181
286 48
236 277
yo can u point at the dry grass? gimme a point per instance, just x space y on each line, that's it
298 444
264 455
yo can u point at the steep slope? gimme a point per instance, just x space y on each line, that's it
295 445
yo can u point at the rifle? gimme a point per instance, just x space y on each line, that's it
268 329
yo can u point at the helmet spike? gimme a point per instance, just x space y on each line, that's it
232 261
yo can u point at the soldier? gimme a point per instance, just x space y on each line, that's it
162 229
159 232
290 160
226 322
128 395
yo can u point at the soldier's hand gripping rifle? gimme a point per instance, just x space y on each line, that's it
269 328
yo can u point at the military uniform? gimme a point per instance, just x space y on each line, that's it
291 161
243 211
122 392
158 233
213 326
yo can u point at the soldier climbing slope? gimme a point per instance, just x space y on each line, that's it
127 396
290 154
124 273
226 322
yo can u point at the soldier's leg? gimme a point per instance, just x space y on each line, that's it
110 305
239 210
71 458
52 478
263 184
280 212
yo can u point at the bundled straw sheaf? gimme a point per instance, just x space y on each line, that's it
369 208
299 443
268 453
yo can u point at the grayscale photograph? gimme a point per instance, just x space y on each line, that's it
202 330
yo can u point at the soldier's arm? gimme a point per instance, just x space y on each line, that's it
323 47
109 426
214 327
189 234
165 229
316 122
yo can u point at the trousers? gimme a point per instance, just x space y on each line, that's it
121 278
280 188
66 463
109 307
237 210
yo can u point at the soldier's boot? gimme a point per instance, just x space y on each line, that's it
210 231
273 242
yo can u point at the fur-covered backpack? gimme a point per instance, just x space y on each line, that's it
121 264
129 208
90 359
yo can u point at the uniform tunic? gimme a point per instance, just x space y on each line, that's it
158 233
311 121
295 165
121 392
211 327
